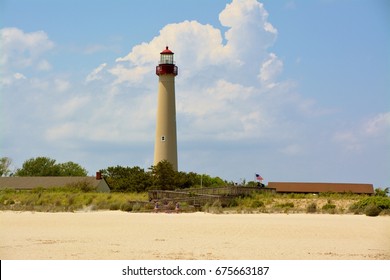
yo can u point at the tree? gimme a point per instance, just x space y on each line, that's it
40 166
44 166
382 192
127 179
163 175
5 163
185 180
71 169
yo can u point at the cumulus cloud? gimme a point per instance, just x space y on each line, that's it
201 47
21 50
249 34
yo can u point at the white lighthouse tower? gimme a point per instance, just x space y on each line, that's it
166 142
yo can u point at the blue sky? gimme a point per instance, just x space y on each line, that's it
294 90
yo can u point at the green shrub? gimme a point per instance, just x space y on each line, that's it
311 208
233 203
285 205
127 206
114 206
136 207
372 210
149 206
71 199
257 204
381 202
329 208
215 208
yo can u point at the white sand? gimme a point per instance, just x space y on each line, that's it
121 235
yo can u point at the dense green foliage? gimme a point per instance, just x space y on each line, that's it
127 179
372 210
382 192
162 177
44 166
379 201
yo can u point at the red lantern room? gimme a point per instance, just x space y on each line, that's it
167 65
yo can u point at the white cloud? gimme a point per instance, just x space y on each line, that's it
196 47
72 106
378 124
223 110
19 76
250 34
270 69
44 65
365 133
349 140
10 79
20 49
96 73
133 75
200 50
61 85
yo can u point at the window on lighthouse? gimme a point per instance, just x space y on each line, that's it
166 58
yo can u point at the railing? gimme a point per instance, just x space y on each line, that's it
201 196
166 69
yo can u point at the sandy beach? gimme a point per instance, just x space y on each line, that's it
119 235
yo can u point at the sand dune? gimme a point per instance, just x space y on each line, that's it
121 235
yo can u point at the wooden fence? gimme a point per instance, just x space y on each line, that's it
201 196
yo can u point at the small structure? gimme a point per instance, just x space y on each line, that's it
300 187
29 183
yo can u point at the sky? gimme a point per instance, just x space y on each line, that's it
293 90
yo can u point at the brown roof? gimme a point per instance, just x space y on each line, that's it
27 183
299 187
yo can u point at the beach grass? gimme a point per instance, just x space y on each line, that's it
70 200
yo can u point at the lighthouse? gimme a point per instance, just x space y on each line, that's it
165 147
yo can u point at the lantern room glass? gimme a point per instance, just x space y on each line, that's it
166 59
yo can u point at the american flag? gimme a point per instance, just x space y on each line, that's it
258 177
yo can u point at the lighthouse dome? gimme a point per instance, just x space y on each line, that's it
166 51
